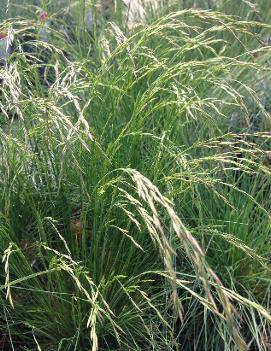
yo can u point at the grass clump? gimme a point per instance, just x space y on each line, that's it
135 182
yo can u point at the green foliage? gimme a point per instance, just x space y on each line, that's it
135 179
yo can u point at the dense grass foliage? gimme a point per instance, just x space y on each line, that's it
135 177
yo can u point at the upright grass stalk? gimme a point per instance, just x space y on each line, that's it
134 211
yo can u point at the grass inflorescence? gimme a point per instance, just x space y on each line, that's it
135 176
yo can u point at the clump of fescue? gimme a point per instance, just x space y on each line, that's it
129 175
